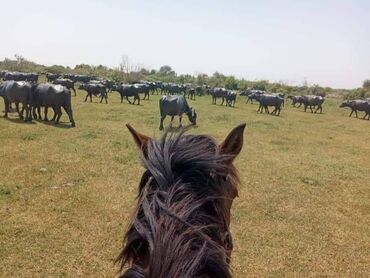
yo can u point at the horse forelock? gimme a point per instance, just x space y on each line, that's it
181 216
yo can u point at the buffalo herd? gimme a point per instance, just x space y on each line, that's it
19 87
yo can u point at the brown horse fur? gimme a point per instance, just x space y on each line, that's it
180 227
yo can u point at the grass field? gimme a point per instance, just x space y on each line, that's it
66 194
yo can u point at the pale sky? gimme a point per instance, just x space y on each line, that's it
326 42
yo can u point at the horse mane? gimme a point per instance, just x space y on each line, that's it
176 230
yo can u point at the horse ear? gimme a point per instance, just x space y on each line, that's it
233 143
141 140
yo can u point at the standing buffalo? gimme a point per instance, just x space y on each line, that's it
357 105
50 77
296 100
267 100
21 76
175 106
96 90
231 99
218 93
68 83
313 101
54 96
17 92
127 91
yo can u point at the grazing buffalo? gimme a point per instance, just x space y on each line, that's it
175 106
267 100
296 100
50 77
313 101
68 83
357 105
231 99
55 96
218 93
127 91
17 92
96 90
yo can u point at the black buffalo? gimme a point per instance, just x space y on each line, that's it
218 93
68 83
267 100
358 105
54 96
127 91
17 92
50 77
175 106
96 90
296 100
313 101
21 76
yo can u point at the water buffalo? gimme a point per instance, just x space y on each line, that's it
252 95
17 92
267 100
68 83
312 101
218 93
50 77
175 106
143 89
231 99
357 105
190 92
55 96
296 100
96 90
21 76
127 91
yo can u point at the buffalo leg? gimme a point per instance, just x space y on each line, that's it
70 115
356 113
86 97
138 100
180 120
161 122
6 107
90 97
74 90
351 113
128 100
58 114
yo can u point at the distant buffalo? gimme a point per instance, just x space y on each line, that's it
231 99
54 96
127 91
218 93
267 100
296 100
175 106
68 83
96 90
17 92
21 76
358 105
50 77
313 101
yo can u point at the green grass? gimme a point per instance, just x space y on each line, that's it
66 194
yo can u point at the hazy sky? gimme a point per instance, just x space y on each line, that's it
326 42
